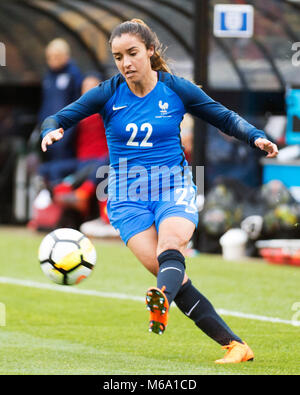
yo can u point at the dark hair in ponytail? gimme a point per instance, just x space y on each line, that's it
139 27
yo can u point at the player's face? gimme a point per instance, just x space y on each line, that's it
132 57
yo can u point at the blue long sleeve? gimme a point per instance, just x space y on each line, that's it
199 104
90 103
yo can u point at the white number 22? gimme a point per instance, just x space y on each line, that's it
133 128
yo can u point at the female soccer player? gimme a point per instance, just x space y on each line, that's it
142 108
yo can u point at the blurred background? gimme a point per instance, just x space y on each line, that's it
247 58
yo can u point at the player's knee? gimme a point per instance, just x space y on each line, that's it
171 242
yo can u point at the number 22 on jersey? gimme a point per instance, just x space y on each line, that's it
133 128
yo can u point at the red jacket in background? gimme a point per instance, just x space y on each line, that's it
91 140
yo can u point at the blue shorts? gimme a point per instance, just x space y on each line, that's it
132 217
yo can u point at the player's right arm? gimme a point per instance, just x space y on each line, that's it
53 127
51 137
91 102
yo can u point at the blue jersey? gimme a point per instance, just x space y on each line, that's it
143 133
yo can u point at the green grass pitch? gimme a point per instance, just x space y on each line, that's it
50 332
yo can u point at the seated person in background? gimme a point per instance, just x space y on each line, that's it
77 189
61 86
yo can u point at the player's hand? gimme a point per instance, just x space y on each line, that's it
51 137
268 146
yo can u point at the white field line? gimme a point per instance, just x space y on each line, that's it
114 295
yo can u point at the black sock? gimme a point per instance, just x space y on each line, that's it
171 272
195 305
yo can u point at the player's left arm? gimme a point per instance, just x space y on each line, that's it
266 145
199 104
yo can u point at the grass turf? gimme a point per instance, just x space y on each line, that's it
49 332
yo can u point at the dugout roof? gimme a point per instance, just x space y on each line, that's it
260 63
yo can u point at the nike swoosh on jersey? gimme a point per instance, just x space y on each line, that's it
118 108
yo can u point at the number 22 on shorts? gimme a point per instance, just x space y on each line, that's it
187 198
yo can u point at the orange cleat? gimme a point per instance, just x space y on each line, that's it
158 305
236 352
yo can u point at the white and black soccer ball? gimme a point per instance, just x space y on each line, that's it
67 256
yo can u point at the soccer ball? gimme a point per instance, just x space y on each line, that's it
67 256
